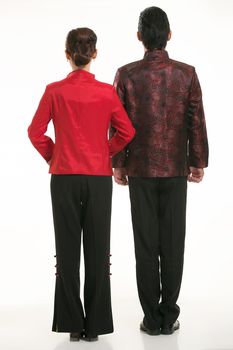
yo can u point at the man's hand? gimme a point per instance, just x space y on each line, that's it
196 174
120 176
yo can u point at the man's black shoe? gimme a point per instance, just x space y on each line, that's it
89 337
171 328
155 331
75 336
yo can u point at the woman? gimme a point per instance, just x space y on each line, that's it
81 109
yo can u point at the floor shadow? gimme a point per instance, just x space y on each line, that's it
102 344
161 342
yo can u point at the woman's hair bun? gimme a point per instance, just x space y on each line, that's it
81 45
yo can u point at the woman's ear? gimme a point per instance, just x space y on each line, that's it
169 36
67 55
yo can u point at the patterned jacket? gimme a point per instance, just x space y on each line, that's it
163 99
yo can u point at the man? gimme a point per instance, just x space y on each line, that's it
164 101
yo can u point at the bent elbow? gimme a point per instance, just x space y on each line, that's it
131 134
30 133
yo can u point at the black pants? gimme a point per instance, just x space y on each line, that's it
158 207
82 204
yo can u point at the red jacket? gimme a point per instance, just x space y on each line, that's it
82 110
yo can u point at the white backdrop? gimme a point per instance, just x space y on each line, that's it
32 55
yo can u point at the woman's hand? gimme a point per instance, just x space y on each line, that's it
120 176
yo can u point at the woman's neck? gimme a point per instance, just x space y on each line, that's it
86 67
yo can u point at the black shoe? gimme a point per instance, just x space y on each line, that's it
155 331
75 336
89 337
171 328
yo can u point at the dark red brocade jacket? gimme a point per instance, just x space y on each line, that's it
163 99
82 110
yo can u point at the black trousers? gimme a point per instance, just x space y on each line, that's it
158 207
82 208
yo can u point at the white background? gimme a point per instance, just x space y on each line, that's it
32 38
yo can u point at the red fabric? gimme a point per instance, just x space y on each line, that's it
81 109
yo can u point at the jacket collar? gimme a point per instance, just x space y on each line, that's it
156 55
81 73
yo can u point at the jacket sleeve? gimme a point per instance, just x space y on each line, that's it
39 125
198 150
119 160
122 126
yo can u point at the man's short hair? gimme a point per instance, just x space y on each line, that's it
154 28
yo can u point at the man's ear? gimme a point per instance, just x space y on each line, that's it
169 36
139 36
95 54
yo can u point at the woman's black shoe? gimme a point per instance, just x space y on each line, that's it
75 336
89 337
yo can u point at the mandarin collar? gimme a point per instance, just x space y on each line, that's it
156 55
81 73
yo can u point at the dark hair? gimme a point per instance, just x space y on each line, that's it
81 45
154 28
